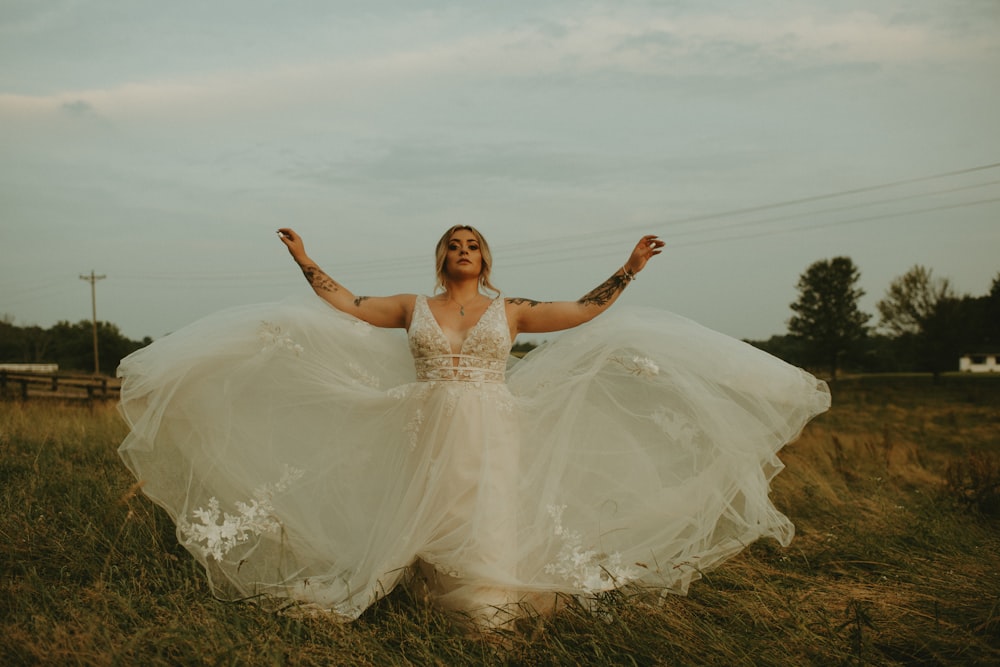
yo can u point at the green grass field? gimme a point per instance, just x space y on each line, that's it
894 494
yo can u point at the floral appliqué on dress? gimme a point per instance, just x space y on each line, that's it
586 569
676 427
413 427
361 376
274 338
215 533
643 366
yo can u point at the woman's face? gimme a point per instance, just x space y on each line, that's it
464 257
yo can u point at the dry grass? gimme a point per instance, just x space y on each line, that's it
890 565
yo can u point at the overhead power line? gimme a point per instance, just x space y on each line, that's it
586 241
568 249
847 207
804 228
786 203
589 240
707 228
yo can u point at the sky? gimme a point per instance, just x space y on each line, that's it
161 144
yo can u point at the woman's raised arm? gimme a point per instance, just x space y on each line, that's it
540 317
388 312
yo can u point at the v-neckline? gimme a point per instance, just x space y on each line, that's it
468 332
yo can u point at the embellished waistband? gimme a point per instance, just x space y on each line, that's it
442 368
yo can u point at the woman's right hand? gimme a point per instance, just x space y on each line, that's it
293 242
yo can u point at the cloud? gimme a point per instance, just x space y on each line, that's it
77 108
616 41
29 17
439 164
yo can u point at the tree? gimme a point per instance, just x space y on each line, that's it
784 346
827 318
984 326
911 301
68 345
926 310
991 311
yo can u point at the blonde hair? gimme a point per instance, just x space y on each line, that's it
441 254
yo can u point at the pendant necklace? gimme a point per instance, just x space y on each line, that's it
461 307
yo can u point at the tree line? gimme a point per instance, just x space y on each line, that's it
924 325
69 345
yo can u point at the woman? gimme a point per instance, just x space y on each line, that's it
306 458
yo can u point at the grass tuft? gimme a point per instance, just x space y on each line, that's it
974 481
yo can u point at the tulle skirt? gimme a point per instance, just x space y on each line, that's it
302 462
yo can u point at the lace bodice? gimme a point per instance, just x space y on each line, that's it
481 358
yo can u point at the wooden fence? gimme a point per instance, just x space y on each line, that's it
26 386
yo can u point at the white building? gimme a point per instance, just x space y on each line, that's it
29 368
979 363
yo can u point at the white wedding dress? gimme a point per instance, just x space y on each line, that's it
308 456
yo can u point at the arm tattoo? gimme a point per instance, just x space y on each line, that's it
357 302
531 302
605 292
319 280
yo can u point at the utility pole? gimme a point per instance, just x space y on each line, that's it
92 279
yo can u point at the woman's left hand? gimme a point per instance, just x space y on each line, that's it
647 247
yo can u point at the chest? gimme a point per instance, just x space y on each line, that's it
488 336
